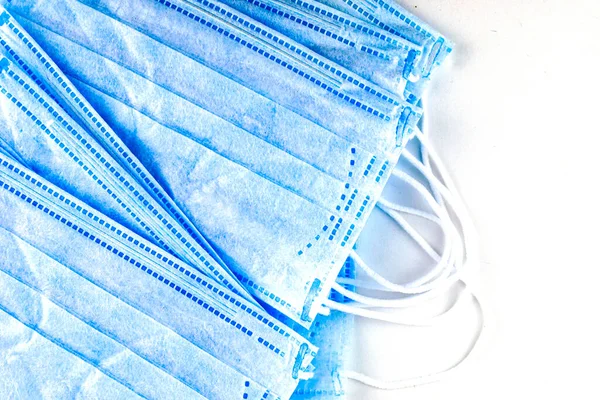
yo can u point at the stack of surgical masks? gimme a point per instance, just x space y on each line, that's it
182 183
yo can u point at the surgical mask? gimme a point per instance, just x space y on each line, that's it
121 95
376 55
23 49
317 89
86 169
394 19
109 357
193 183
148 279
117 339
268 122
240 106
294 302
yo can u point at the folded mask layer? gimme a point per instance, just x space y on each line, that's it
19 46
238 47
393 18
218 100
218 322
34 367
305 261
65 153
268 234
108 323
165 147
114 91
374 54
97 349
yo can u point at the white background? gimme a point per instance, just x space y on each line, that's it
515 117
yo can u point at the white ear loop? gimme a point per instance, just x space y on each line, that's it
424 379
437 277
439 193
439 274
451 255
445 224
361 308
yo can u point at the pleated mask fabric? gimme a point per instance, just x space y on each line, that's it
227 331
68 155
283 225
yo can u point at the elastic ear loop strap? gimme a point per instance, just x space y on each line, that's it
424 284
403 302
393 210
438 188
424 379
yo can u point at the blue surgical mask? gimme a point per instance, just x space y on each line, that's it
85 168
374 54
23 49
195 182
268 121
148 279
104 331
205 132
109 357
307 83
294 250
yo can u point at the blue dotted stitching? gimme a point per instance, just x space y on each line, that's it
351 23
249 282
374 52
381 171
268 345
110 168
284 63
363 206
352 162
27 69
403 17
310 25
246 385
350 200
377 22
369 166
319 29
338 207
348 234
132 240
96 120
